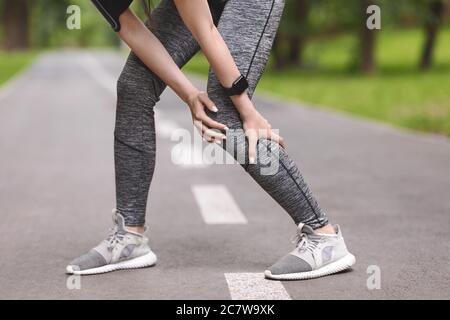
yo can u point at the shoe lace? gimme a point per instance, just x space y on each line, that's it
303 241
114 238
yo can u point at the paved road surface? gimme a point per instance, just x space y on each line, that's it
388 189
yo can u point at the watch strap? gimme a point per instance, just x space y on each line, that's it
238 87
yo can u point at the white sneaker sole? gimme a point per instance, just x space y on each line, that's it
342 264
144 261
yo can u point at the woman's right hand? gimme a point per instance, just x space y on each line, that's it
207 127
257 127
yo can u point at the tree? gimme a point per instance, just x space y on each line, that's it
48 20
367 41
291 39
433 20
15 23
297 39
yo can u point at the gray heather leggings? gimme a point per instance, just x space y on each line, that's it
248 27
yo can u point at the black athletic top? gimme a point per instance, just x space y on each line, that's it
111 10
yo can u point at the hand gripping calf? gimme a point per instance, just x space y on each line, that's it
111 10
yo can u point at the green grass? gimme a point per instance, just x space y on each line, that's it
397 93
12 63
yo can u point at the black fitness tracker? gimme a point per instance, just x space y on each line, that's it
238 87
111 10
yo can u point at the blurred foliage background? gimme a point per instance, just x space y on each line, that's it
324 55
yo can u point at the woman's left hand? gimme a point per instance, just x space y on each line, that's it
208 128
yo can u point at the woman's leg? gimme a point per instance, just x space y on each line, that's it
138 90
249 27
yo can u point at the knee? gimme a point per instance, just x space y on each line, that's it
134 108
271 157
143 89
125 85
269 151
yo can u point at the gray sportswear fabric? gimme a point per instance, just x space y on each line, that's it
248 27
90 260
290 264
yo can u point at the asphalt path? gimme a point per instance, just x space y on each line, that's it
388 189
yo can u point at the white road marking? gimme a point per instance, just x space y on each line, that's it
165 126
189 150
253 286
95 69
187 157
217 205
98 73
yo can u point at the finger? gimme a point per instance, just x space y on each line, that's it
213 124
214 134
252 143
278 139
199 126
208 134
217 141
208 102
208 139
264 133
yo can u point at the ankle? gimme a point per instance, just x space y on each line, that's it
136 229
327 229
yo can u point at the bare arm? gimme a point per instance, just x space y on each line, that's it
197 17
143 42
153 54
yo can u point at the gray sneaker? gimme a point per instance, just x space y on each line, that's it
316 255
122 249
